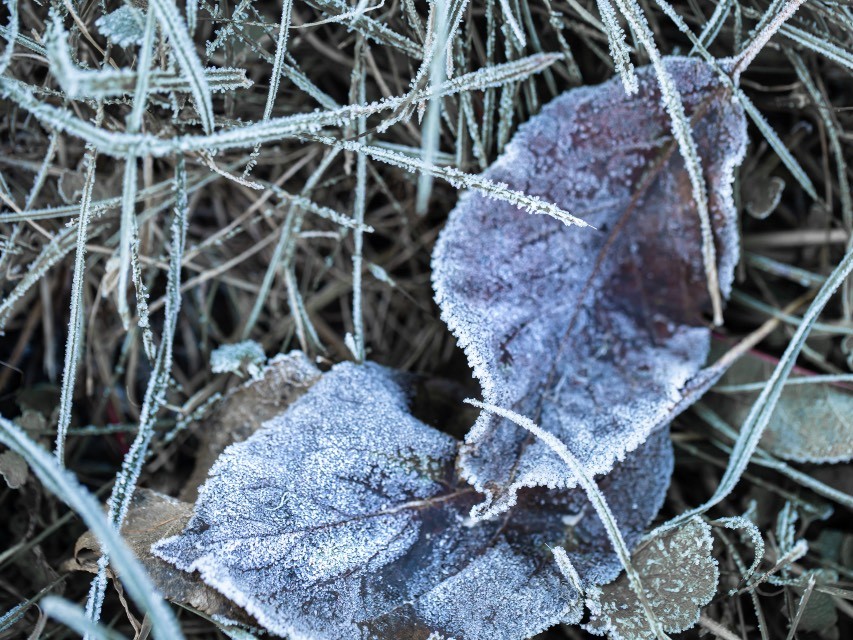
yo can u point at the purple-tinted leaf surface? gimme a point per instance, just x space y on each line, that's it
593 334
344 518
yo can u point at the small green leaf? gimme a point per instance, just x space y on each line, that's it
812 421
820 613
680 576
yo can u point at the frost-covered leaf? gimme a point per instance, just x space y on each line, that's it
124 26
680 577
244 409
593 334
344 518
153 516
812 421
245 356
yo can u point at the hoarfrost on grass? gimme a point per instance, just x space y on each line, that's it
594 334
344 518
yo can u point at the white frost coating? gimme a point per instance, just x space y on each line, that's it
567 568
343 518
507 586
592 334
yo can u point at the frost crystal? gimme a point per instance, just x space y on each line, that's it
593 334
344 518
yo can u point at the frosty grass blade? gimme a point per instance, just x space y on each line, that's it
593 334
344 518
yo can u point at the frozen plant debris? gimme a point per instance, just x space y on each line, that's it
236 358
152 516
680 576
344 518
593 334
125 26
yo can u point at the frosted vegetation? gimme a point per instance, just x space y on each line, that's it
243 356
344 517
610 359
581 272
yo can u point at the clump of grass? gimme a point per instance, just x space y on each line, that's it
196 174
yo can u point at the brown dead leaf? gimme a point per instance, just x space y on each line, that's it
153 516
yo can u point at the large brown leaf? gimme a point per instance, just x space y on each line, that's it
592 333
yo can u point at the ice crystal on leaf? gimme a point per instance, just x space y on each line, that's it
593 334
344 518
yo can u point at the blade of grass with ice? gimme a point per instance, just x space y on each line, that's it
751 110
596 498
459 179
753 428
75 618
359 89
66 487
437 41
275 78
75 325
120 144
184 51
772 22
155 392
